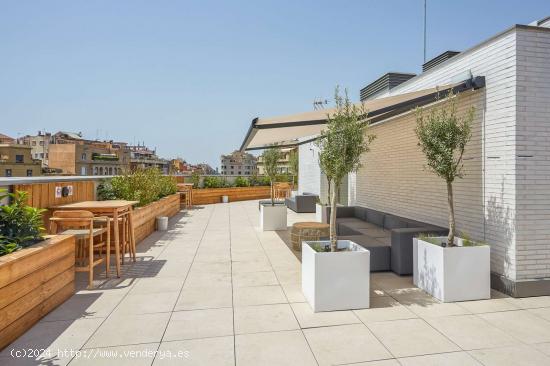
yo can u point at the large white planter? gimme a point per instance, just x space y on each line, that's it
459 273
272 217
320 213
336 280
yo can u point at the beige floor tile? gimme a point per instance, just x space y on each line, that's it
390 362
205 280
199 324
530 302
132 329
86 305
271 349
521 324
265 278
543 347
308 319
293 293
259 295
389 280
511 356
137 354
264 318
147 303
471 332
345 344
216 267
192 298
64 336
488 306
384 308
197 352
251 266
446 359
411 337
155 285
542 312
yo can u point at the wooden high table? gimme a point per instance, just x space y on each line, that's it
111 208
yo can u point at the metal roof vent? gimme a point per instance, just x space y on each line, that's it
438 60
384 83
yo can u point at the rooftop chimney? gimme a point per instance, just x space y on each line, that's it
438 59
384 83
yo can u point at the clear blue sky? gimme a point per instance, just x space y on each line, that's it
188 77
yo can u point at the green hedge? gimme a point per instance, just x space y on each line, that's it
143 185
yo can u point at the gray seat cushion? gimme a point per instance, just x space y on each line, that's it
375 232
394 222
351 227
379 252
375 217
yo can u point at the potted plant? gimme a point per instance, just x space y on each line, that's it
449 268
336 273
272 216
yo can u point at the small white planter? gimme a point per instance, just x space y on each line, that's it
452 273
336 280
225 199
272 217
321 213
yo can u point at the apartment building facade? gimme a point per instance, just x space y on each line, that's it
283 165
73 155
238 163
40 144
16 161
141 157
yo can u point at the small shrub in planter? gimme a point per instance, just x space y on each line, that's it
143 185
272 216
20 224
451 268
242 182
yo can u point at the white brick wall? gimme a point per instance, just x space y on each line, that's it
309 173
533 155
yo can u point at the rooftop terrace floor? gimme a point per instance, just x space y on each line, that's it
214 290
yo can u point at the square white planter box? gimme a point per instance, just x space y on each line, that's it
321 213
458 273
273 217
336 280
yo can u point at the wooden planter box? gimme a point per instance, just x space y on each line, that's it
145 217
33 281
214 195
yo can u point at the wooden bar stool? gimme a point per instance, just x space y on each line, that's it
89 253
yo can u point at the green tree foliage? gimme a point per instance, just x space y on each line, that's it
443 135
271 159
143 185
341 145
294 165
21 225
242 182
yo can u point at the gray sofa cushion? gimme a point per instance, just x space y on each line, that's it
379 252
394 222
375 232
352 227
375 217
361 213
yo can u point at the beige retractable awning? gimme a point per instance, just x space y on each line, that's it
291 130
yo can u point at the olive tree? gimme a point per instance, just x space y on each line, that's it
271 159
341 145
294 162
443 135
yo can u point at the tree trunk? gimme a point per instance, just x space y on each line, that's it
451 237
272 193
333 239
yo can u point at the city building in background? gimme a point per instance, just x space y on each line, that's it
238 163
39 144
142 157
16 159
73 155
283 165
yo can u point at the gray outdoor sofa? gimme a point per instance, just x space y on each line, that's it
389 238
302 203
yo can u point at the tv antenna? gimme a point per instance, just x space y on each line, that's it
319 103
